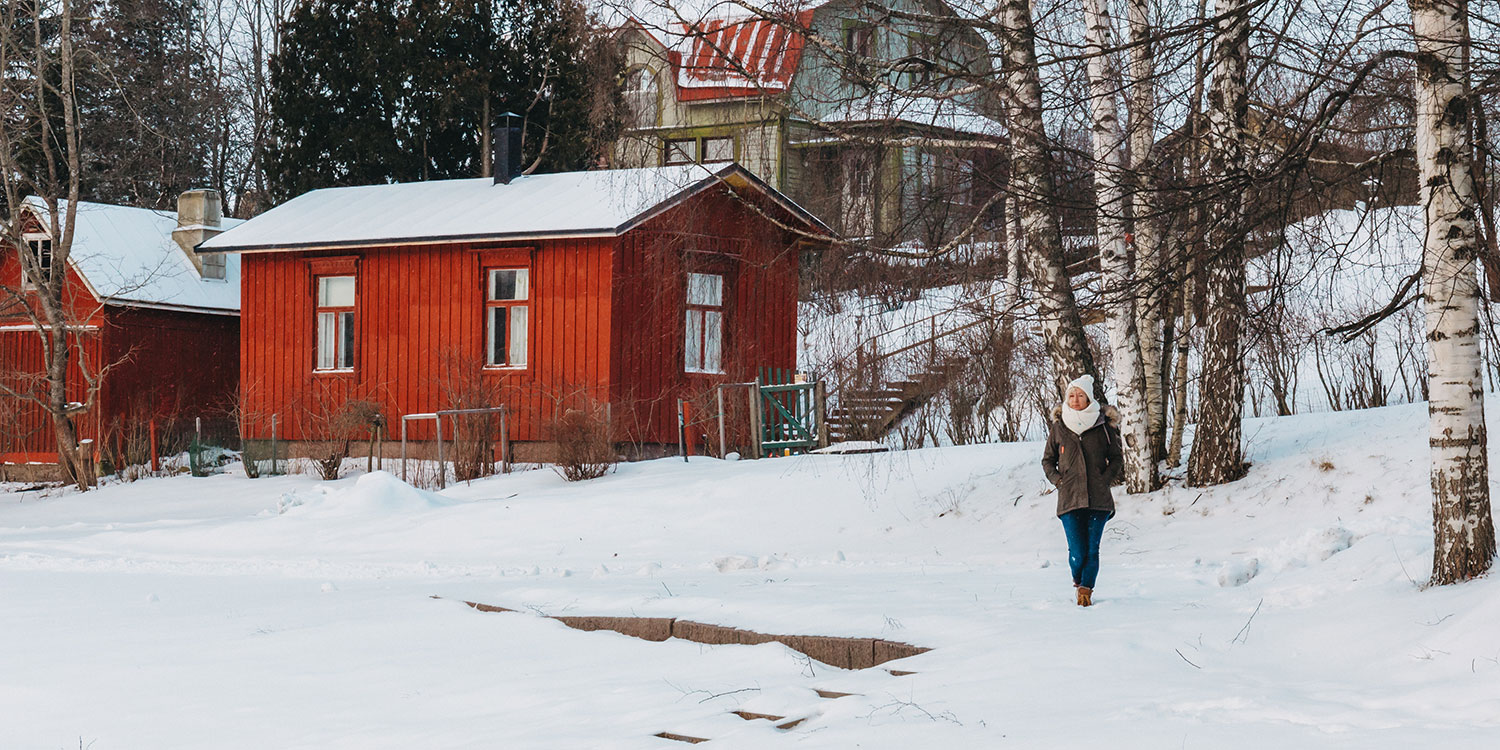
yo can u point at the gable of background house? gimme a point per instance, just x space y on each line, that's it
756 91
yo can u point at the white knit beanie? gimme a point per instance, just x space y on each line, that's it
1079 420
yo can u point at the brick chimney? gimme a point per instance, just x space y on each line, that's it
200 215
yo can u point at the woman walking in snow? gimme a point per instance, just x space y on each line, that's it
1082 459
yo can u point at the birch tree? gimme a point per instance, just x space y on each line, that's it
1114 255
1463 529
1031 183
30 93
1217 455
1141 107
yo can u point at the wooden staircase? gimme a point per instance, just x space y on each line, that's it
871 413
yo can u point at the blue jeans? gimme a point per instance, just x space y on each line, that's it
1084 529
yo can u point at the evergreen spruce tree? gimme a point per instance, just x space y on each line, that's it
379 91
145 97
337 98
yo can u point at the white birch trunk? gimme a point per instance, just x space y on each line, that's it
1217 456
1031 181
1015 249
1114 254
1463 529
1144 209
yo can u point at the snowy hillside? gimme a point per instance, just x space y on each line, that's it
1283 610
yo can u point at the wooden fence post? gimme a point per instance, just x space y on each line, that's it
86 463
820 412
505 439
755 436
719 395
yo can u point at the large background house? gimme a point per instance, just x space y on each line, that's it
159 322
618 288
787 97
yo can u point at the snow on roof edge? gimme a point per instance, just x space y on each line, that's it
463 198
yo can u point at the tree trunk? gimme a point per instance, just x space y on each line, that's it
1031 180
1180 370
1114 255
1147 221
1217 456
1463 529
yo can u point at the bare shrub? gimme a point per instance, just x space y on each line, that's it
474 435
131 444
584 450
335 427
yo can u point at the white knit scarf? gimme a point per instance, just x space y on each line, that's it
1079 420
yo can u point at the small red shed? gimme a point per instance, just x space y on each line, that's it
158 321
630 288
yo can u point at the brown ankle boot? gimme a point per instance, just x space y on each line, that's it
1085 596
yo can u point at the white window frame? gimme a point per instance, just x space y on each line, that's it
335 323
31 240
703 326
493 305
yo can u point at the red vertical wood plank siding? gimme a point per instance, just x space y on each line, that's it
162 365
760 265
606 321
419 324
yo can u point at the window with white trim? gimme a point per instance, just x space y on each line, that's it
335 311
704 345
506 316
40 250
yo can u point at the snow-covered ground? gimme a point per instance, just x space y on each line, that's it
1282 611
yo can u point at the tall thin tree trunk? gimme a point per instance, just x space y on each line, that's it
1114 255
1217 456
1031 179
1463 529
1180 370
1147 221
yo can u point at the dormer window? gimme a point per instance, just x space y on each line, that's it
40 250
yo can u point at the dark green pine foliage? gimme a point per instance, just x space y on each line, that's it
338 98
375 91
145 98
457 59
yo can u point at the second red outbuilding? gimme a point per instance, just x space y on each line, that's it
626 288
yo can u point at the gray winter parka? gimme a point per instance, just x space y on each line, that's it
1083 467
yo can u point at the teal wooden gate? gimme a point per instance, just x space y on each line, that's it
790 412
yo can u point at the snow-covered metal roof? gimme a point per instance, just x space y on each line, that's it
936 113
568 204
126 256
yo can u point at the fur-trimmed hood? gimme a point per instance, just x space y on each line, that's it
1108 411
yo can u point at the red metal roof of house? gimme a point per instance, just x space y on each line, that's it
728 57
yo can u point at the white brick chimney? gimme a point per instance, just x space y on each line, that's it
200 215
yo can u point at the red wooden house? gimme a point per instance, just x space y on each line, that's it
627 288
160 322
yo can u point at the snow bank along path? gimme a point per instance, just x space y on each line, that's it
286 612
